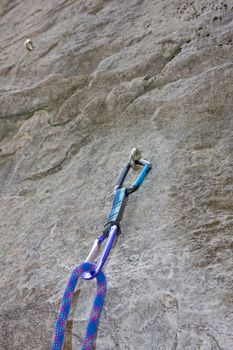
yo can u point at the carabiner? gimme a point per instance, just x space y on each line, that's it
104 255
133 162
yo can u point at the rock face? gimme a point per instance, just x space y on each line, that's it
106 76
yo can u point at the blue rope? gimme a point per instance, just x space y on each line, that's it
64 309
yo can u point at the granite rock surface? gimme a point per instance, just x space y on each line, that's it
106 76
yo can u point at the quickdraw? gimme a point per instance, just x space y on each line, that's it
88 270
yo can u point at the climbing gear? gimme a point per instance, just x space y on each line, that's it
88 270
112 228
64 310
28 44
134 155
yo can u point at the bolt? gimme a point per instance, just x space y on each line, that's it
28 44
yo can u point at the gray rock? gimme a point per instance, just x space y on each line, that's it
106 76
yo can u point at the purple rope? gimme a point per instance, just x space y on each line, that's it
64 310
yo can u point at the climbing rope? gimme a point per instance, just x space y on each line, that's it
88 270
64 310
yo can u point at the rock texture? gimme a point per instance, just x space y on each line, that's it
106 76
